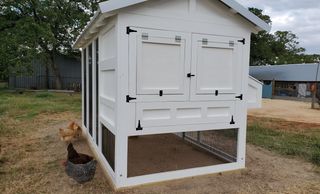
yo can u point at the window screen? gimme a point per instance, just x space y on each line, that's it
85 87
97 91
108 145
90 87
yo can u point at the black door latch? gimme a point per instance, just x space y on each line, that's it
240 97
129 30
190 75
128 98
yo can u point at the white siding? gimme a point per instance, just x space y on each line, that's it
108 86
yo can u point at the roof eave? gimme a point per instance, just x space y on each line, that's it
246 14
109 8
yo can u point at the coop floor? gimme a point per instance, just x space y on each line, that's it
161 153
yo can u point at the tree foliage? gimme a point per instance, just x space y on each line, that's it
41 30
281 47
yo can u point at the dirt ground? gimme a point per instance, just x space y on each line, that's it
287 110
41 171
161 153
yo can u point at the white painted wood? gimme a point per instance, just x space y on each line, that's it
182 113
125 111
216 63
133 181
108 64
254 93
166 47
113 5
100 157
158 62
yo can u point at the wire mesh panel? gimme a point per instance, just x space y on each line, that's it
222 143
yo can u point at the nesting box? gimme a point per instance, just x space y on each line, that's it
166 87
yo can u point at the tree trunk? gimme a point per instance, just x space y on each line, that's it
47 80
56 72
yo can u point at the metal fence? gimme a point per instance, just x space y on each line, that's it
43 77
44 82
222 143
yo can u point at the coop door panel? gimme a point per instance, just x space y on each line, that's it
184 113
158 65
216 64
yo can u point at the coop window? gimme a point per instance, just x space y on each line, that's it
97 91
84 87
169 152
90 87
108 145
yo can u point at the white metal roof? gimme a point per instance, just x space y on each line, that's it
291 72
109 8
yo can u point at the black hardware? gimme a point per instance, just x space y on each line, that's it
217 92
240 97
178 38
232 121
129 30
128 98
139 128
190 75
243 41
145 36
204 41
161 93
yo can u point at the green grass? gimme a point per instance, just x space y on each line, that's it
27 106
3 84
301 145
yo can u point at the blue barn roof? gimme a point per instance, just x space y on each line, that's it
291 72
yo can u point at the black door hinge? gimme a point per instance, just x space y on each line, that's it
232 121
217 92
240 97
160 92
243 41
190 75
129 30
139 128
128 98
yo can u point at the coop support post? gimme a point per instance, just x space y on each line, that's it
124 119
314 93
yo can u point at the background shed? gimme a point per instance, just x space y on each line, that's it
42 77
293 80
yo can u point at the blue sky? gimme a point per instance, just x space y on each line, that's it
302 17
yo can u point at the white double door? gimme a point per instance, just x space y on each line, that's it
177 66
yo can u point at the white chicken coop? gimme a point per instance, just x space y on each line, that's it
166 87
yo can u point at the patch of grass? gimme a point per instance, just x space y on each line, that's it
44 95
3 85
27 106
303 145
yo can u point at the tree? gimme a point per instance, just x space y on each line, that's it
261 51
42 30
282 47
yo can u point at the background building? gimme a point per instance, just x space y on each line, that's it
292 80
41 77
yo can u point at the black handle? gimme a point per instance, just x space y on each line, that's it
190 75
240 97
128 98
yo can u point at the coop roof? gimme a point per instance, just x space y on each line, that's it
110 8
291 72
